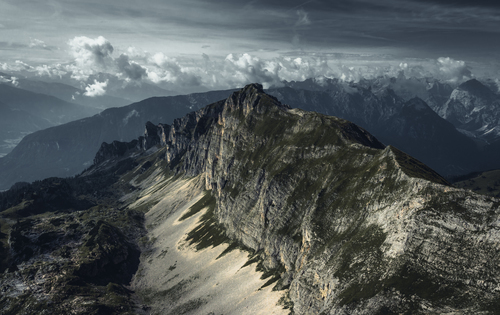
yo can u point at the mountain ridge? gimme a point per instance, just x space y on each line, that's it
337 222
372 104
304 220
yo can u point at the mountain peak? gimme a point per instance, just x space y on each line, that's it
417 103
475 87
252 97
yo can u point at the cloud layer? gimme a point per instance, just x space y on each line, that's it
98 67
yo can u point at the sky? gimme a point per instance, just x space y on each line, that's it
198 45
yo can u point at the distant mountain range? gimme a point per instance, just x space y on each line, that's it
67 149
411 114
24 112
66 92
28 105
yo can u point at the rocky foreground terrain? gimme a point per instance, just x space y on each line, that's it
249 207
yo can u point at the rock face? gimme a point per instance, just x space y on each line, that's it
153 135
114 149
345 224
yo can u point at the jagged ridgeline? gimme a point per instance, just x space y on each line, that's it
337 222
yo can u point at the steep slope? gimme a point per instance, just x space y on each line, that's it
24 112
372 111
68 149
71 94
337 223
487 183
118 93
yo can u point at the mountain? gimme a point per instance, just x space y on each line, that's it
249 206
486 183
131 90
47 107
420 132
118 93
411 125
475 109
15 124
64 92
71 94
24 112
438 94
68 149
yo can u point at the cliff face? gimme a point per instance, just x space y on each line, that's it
353 226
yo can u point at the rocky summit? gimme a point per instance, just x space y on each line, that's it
247 206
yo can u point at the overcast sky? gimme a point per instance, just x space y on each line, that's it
220 43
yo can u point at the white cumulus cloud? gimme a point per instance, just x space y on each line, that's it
96 89
91 53
245 68
453 70
169 70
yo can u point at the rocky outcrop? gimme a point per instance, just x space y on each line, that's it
67 255
108 256
114 149
68 149
154 135
384 113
